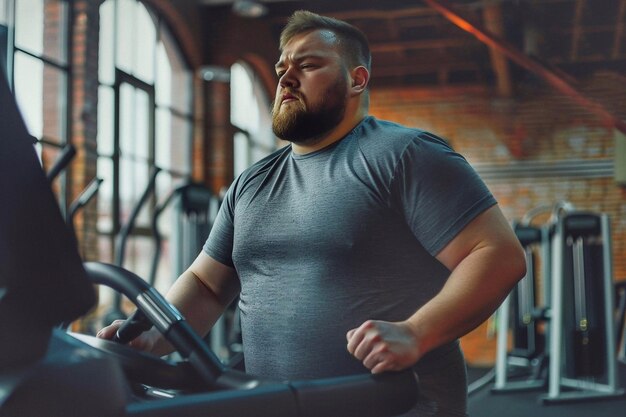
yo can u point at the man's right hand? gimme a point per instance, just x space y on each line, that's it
145 341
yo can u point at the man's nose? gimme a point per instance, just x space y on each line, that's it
288 79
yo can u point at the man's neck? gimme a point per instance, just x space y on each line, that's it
338 133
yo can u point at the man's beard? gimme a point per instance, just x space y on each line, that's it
301 125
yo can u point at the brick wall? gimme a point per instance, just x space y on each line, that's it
84 101
219 138
540 128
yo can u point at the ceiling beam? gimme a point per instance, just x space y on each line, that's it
527 62
577 30
422 69
383 14
396 46
619 29
492 15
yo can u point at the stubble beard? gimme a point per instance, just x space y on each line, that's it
298 124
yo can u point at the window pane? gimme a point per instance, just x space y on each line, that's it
250 112
41 27
29 25
174 79
164 273
165 223
106 59
134 122
138 257
105 254
4 12
124 40
163 188
163 85
145 47
163 134
105 196
133 182
173 142
106 103
243 108
241 148
181 145
41 94
29 91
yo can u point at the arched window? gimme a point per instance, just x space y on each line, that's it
250 114
34 55
145 121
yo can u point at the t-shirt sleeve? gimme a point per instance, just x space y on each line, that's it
437 191
219 244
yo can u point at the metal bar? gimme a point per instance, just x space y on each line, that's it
556 325
527 62
580 301
609 308
501 346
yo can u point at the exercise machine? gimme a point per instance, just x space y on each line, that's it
194 210
523 366
582 342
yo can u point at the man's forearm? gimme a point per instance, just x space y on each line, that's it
474 290
200 307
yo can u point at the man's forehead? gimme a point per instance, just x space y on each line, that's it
315 40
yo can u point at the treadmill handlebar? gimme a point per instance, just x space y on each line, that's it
162 314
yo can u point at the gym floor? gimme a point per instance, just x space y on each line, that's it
483 403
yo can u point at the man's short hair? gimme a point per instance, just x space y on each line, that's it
352 41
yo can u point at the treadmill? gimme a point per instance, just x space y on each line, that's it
46 371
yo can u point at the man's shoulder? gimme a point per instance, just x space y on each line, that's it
374 127
258 169
266 162
383 137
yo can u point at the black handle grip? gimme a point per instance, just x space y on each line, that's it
135 325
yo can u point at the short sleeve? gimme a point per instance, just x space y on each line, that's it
219 244
437 191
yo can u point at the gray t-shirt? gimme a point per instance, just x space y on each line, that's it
324 241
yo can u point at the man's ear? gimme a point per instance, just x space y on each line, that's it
360 78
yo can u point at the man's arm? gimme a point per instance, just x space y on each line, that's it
486 260
201 294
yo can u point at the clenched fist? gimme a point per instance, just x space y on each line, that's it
384 346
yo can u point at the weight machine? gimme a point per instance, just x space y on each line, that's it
583 363
575 354
523 311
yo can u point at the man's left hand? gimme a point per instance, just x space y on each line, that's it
384 346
